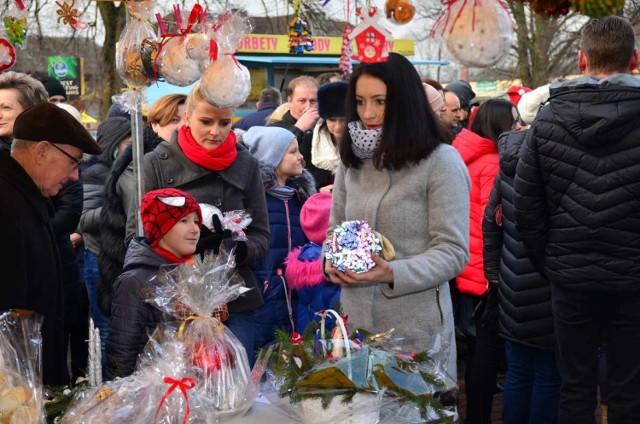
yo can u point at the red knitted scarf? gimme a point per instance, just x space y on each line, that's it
217 159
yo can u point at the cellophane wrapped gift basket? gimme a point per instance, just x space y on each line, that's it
193 370
319 378
20 368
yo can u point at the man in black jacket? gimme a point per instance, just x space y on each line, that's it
577 209
303 108
45 155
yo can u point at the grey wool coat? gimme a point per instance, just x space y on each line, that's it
424 212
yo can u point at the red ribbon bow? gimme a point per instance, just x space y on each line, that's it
185 384
196 12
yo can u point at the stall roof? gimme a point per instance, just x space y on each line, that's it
317 60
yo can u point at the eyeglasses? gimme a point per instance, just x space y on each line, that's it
76 162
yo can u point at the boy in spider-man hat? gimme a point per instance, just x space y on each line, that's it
171 220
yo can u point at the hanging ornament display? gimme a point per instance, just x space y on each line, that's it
550 8
172 61
7 54
299 31
69 15
15 22
476 33
399 11
346 52
370 37
128 51
226 83
597 8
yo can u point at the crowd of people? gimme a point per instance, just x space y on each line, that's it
514 220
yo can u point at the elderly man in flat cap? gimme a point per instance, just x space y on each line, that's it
45 154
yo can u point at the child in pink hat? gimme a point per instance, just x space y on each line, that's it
304 265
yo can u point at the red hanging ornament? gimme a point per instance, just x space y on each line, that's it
7 54
346 52
371 38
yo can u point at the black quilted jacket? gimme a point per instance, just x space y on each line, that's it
524 294
132 319
577 187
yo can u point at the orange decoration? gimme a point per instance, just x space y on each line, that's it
389 8
404 12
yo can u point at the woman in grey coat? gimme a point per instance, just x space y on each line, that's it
399 176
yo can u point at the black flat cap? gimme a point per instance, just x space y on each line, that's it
46 121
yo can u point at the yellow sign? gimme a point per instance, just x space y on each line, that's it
279 44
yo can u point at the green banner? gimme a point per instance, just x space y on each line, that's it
68 70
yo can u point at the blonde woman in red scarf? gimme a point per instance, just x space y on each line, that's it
205 161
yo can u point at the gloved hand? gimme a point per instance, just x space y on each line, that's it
240 251
487 313
210 240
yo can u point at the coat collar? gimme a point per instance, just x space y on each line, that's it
182 170
16 176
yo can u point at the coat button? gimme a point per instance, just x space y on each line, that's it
217 202
163 156
169 180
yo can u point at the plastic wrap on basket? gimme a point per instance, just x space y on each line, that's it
370 381
214 355
160 391
20 368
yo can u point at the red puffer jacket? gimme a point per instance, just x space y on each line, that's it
481 157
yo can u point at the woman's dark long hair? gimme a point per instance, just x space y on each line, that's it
410 130
492 119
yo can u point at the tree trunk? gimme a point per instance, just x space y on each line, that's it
114 19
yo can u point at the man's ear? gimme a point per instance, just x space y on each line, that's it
40 151
582 61
633 64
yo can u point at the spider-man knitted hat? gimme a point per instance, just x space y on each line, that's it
162 209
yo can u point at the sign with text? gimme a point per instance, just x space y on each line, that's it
279 44
70 72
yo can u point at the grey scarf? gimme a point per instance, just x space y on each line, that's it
364 142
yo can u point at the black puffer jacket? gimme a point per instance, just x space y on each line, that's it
113 217
577 186
110 133
132 319
524 294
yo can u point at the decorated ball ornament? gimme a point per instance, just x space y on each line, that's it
226 83
352 245
399 11
475 34
7 54
174 65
